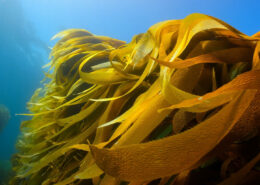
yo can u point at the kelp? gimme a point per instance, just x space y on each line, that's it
179 104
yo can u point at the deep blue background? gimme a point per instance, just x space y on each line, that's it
26 27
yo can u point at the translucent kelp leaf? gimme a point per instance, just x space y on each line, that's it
190 26
248 80
151 160
222 56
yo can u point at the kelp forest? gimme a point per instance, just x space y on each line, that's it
178 105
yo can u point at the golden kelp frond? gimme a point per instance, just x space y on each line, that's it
179 104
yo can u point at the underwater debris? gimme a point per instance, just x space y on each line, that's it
179 104
4 116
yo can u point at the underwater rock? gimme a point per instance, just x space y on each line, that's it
179 104
4 116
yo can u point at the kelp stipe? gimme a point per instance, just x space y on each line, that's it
177 104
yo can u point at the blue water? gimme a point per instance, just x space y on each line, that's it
21 58
26 27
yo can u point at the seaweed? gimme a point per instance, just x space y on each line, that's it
178 105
